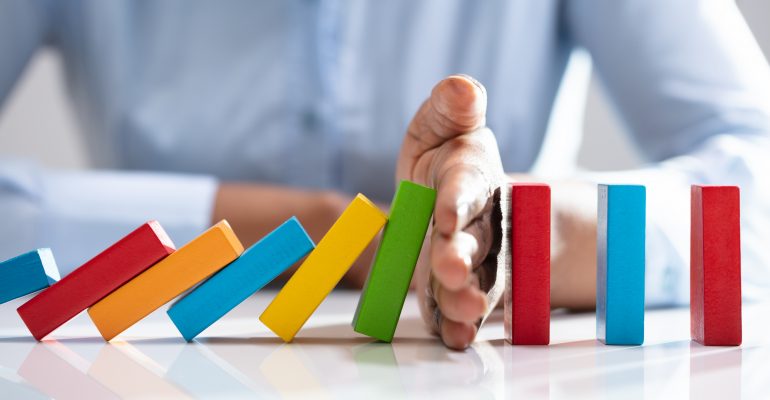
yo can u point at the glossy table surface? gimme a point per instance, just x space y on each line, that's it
239 358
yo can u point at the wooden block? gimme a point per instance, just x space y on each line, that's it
27 274
323 268
256 267
620 264
528 279
194 262
388 282
715 265
104 273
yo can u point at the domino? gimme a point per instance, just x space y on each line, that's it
620 264
323 268
715 265
192 263
104 273
386 286
27 273
527 317
256 267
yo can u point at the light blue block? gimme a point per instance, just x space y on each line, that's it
620 264
256 267
27 274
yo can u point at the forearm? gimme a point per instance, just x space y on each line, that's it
573 242
726 159
80 213
573 250
254 210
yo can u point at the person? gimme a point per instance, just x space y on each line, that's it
255 111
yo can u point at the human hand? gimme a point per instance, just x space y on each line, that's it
448 147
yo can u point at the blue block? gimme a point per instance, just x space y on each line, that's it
256 267
27 273
620 264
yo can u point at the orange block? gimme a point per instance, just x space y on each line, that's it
196 261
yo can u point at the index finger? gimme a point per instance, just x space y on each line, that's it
466 173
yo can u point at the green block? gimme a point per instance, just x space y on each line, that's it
388 282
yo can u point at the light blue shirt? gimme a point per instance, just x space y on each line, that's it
318 94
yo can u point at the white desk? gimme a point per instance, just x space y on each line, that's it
238 357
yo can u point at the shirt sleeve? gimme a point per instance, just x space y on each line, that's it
78 214
692 85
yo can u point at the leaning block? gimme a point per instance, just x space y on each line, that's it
528 278
256 267
323 268
715 265
620 264
96 278
180 271
388 282
27 274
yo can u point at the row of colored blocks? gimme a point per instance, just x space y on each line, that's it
715 270
715 265
143 271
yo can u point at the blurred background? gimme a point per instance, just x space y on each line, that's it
37 121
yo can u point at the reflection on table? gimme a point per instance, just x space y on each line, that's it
240 358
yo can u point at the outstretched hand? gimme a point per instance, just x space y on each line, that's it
448 147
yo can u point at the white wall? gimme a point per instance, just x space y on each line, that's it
37 121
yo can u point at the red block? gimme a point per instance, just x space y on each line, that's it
95 279
528 279
715 265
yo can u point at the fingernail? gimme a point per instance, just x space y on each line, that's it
475 82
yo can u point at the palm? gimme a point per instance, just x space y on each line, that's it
448 147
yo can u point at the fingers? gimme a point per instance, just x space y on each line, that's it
457 329
454 257
457 335
457 105
448 147
466 305
464 188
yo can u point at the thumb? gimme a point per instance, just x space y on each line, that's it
456 105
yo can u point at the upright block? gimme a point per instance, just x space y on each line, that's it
256 267
180 271
96 278
323 268
715 265
27 274
388 282
528 278
620 264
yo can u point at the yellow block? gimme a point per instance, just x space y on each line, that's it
323 268
151 289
